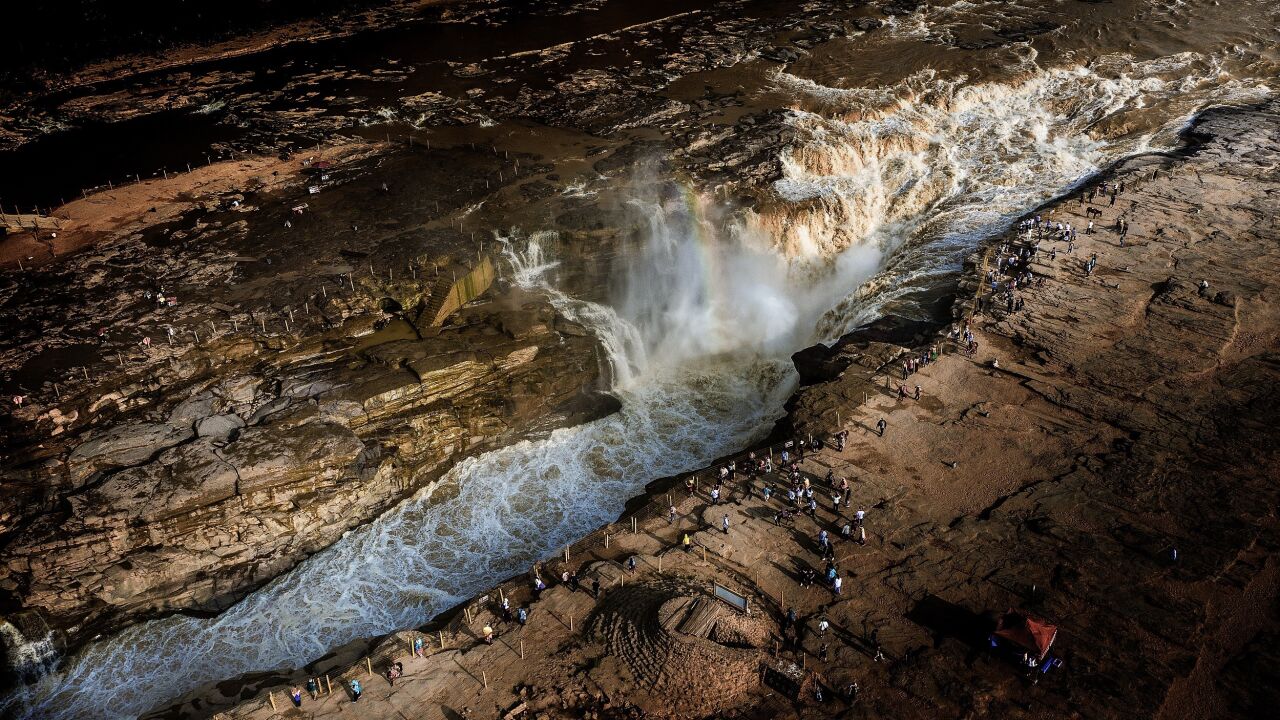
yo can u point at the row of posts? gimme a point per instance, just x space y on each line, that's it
288 320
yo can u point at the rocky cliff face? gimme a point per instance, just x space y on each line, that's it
171 456
224 482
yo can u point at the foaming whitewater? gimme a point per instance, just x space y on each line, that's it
702 286
925 167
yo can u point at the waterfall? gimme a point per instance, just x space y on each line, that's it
884 189
27 658
531 262
926 166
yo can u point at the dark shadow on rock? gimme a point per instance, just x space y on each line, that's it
948 620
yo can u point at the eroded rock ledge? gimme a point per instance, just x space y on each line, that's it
201 500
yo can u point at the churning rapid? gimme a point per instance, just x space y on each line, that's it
884 190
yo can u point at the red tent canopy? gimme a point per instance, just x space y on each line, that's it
1028 631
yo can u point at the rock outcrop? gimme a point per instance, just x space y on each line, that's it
238 478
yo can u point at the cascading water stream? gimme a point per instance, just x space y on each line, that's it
708 311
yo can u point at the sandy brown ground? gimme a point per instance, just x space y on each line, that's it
1118 417
117 212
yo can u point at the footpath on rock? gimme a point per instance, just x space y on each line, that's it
1101 456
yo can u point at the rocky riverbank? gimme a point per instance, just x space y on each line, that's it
1118 416
213 373
198 403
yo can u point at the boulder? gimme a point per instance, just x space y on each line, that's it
181 480
219 428
193 408
818 363
124 446
267 457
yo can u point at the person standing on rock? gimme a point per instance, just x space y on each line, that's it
880 426
724 524
295 694
522 616
715 495
356 690
595 589
671 515
917 392
487 631
687 543
313 688
837 585
823 539
417 646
